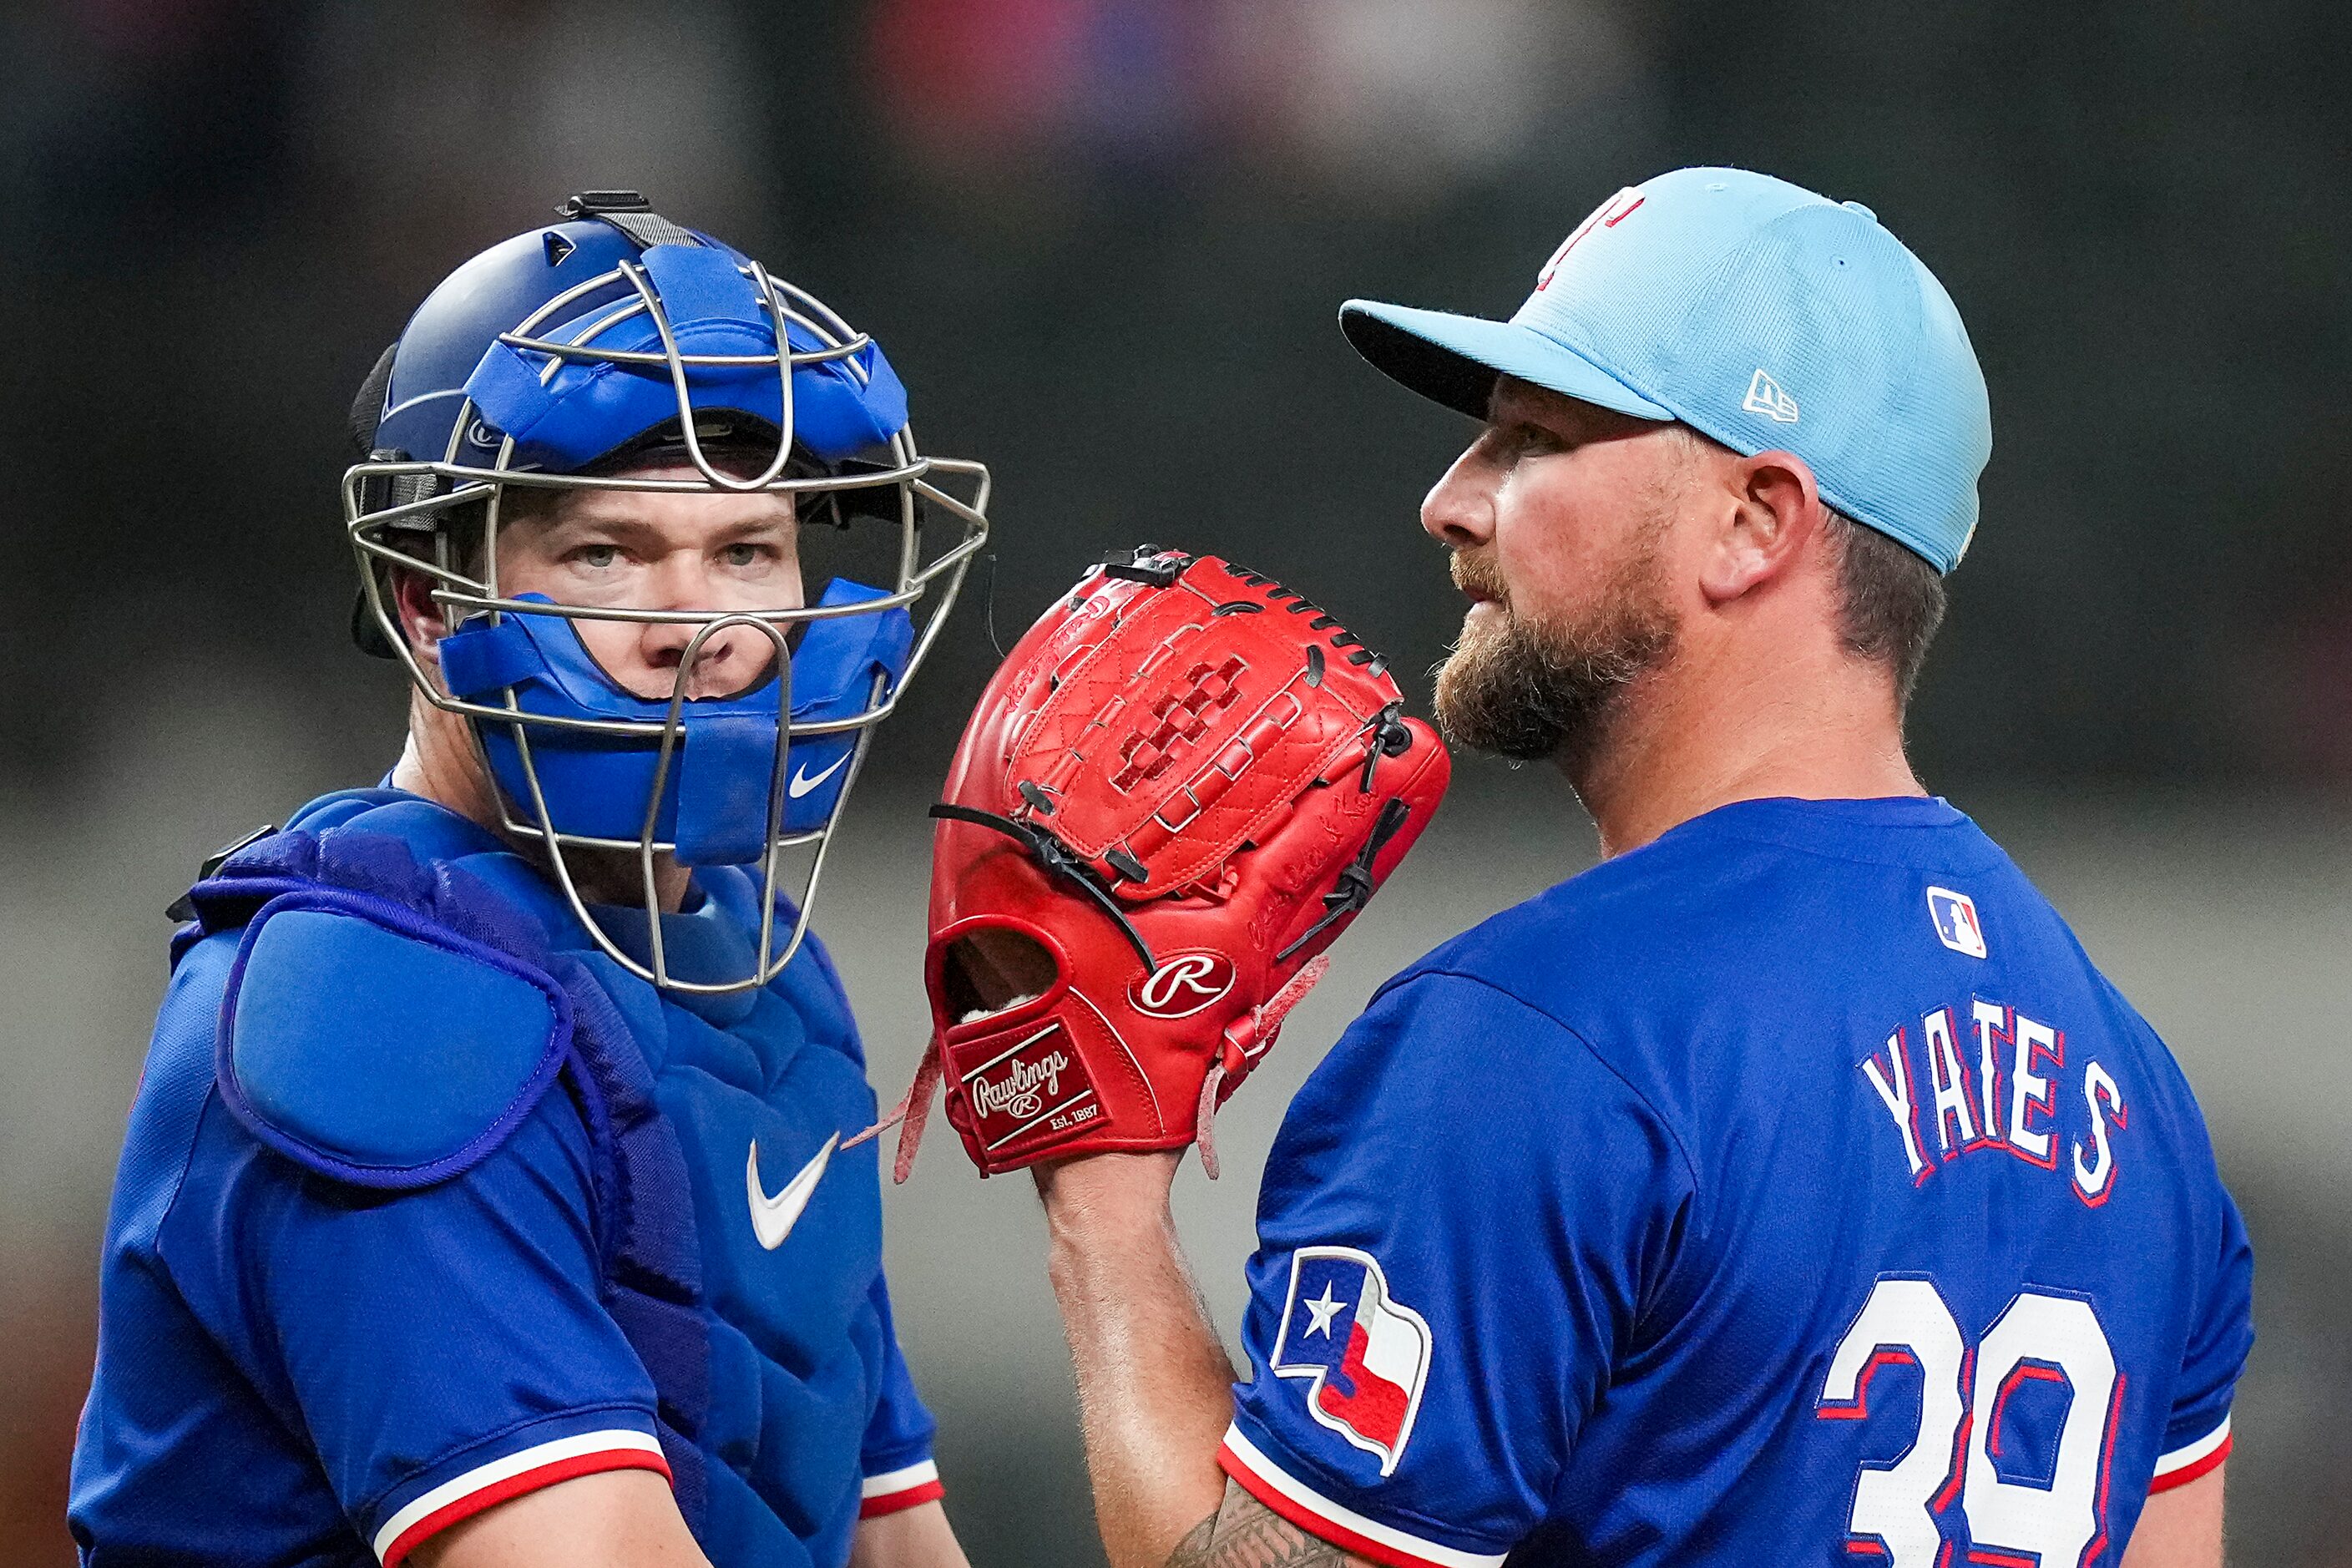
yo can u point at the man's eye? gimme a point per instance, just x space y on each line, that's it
742 554
1513 442
597 557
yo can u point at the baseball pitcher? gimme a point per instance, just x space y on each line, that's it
1790 1188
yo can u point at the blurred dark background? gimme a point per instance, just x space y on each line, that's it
1104 241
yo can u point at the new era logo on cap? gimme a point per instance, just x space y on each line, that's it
1765 397
1955 918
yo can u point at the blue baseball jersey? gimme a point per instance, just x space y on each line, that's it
319 1346
1789 1190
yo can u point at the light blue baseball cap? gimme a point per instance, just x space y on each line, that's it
1755 311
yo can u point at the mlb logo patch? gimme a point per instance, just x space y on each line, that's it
1955 915
1365 1355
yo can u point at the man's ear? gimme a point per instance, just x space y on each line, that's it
1773 514
423 621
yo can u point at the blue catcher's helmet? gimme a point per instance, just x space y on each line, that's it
562 359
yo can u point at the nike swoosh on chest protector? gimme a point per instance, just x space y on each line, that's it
801 784
772 1218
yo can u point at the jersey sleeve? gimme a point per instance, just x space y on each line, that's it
2197 1434
443 1350
1462 1221
896 1455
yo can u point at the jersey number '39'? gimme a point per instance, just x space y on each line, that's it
1962 1394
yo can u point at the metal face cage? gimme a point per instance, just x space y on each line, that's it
414 501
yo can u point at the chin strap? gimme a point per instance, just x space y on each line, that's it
1247 1039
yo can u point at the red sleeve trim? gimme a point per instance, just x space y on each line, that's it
875 1507
501 1481
900 1489
2189 1470
1328 1521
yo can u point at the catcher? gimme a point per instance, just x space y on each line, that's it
483 1201
1788 1188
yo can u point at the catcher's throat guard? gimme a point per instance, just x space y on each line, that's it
1181 787
584 355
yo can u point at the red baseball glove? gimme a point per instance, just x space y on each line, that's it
1178 791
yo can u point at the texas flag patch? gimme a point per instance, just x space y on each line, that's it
1365 1355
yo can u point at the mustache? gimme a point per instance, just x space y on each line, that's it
1477 575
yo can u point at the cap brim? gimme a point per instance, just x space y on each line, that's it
1454 359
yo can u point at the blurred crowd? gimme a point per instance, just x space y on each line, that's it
1105 239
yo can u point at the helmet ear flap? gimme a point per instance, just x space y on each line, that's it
367 408
367 634
367 413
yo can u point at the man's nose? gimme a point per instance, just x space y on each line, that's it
1459 510
674 583
679 580
686 585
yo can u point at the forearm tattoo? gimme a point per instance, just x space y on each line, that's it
1245 1533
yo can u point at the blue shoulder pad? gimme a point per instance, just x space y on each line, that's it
371 1045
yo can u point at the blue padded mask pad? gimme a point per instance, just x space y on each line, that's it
591 408
380 1049
715 804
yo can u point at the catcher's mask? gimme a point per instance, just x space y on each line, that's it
578 356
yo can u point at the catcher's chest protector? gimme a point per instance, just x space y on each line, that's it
730 1332
1182 784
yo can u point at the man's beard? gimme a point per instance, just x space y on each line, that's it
1549 690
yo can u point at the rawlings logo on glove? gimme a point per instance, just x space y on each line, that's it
1020 1095
1178 791
1184 986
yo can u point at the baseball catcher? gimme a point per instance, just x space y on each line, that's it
484 1201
